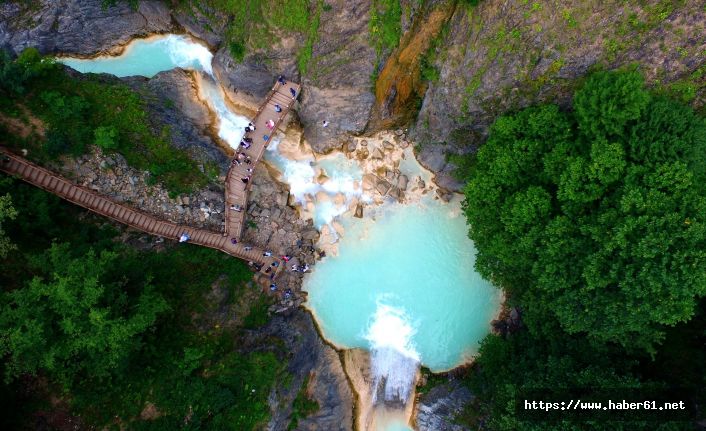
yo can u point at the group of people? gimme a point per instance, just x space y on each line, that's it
241 157
300 268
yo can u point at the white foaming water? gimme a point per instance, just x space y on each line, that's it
231 126
148 57
394 359
331 197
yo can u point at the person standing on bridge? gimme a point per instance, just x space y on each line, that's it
281 80
278 108
233 241
293 92
184 237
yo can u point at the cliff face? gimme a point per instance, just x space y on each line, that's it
400 85
456 67
505 55
78 27
336 85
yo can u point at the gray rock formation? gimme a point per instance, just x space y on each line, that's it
249 80
111 176
172 101
78 26
337 83
309 356
437 409
337 79
508 55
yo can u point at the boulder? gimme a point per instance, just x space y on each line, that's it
402 182
311 234
358 211
382 186
443 194
369 181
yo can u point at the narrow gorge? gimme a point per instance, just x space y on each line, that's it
379 312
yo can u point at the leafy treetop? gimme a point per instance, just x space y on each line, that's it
595 218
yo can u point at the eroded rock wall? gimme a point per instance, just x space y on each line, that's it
309 356
506 55
81 27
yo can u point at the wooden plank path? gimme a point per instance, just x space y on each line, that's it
92 201
236 189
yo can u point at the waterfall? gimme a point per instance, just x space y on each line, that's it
187 54
331 197
394 360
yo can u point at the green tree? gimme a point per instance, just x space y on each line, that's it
595 218
105 137
14 74
7 212
609 102
75 323
509 370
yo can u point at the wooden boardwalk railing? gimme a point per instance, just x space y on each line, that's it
90 200
236 189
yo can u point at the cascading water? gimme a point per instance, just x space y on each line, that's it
231 126
326 187
394 360
402 286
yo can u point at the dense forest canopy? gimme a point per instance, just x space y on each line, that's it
595 218
592 221
107 328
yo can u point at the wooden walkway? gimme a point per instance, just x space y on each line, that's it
236 189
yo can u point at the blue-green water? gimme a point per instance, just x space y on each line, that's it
413 269
148 57
398 427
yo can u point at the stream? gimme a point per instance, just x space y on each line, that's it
398 282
